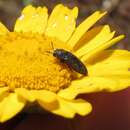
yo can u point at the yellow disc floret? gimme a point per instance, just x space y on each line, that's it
25 61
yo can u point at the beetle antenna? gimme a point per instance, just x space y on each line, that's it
48 52
52 48
52 45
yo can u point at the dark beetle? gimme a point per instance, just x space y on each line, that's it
71 60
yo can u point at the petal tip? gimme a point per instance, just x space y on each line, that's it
75 11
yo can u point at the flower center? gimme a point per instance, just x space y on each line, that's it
25 62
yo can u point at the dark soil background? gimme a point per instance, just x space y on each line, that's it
118 13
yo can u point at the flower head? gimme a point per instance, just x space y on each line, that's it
29 73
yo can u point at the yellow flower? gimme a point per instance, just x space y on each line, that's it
28 73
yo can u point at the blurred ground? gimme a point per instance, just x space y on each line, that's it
118 13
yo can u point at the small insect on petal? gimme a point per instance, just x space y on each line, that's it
71 60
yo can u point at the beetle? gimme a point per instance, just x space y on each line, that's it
71 60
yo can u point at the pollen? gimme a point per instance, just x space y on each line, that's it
26 61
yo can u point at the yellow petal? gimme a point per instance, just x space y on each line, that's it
59 108
44 95
32 20
68 108
111 64
88 36
3 29
61 23
80 106
10 106
108 71
99 40
94 84
83 28
3 90
108 55
69 93
104 46
26 94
